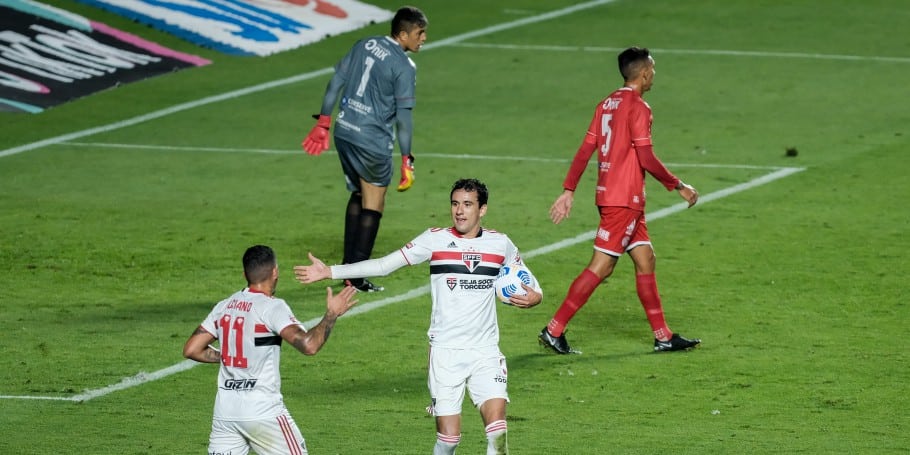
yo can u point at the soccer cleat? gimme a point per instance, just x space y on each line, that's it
558 344
364 285
675 343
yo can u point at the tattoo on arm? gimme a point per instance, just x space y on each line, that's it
300 342
326 332
194 348
211 355
310 342
327 325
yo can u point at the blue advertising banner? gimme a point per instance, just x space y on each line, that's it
49 56
249 27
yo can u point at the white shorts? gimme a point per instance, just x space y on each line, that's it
277 435
482 371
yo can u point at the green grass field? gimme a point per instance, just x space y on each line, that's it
114 245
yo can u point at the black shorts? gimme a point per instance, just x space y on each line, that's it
359 163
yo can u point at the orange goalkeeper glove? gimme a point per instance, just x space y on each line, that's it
318 140
407 173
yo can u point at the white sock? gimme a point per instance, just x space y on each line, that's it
445 444
497 438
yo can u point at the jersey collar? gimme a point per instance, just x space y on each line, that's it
458 234
256 291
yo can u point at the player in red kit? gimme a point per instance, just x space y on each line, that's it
620 134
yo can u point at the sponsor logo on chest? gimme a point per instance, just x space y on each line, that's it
239 384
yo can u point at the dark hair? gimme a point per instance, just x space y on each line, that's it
407 18
258 262
470 185
631 61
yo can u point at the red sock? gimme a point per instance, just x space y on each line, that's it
579 293
646 285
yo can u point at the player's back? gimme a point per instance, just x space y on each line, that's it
249 380
379 79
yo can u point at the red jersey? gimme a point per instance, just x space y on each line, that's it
620 133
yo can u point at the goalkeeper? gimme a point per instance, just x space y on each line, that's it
376 80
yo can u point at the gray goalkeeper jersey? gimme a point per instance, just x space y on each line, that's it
378 79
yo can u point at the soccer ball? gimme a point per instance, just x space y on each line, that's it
509 280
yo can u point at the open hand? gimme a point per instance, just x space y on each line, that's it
312 273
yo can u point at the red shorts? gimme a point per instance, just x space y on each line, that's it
620 230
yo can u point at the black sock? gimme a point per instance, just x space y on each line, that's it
360 235
351 223
365 237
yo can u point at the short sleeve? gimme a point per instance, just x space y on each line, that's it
420 249
278 315
210 324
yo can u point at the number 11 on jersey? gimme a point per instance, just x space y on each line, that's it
237 360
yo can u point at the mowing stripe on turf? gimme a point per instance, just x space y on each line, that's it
422 154
143 377
728 53
291 80
702 199
187 364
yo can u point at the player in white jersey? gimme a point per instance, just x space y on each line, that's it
249 326
464 332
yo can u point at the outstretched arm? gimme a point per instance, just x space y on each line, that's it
312 273
309 342
370 267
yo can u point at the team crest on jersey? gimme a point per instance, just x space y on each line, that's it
472 260
451 282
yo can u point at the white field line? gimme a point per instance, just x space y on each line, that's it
657 51
143 377
294 79
187 364
422 154
126 383
667 211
